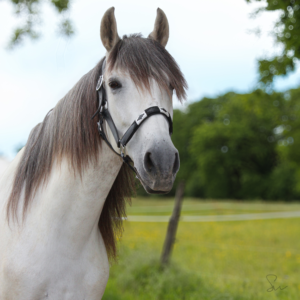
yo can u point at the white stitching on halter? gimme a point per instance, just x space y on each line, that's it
141 117
162 110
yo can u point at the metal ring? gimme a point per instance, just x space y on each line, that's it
122 150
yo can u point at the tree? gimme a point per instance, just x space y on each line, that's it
287 34
184 124
288 148
236 152
30 12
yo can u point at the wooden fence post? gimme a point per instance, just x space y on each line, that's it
172 227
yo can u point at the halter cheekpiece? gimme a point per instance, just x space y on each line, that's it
104 114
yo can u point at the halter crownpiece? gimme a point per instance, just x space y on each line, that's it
104 114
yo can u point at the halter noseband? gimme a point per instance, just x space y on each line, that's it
104 114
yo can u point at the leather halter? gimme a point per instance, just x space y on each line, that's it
104 115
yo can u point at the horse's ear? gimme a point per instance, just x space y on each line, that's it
108 29
160 32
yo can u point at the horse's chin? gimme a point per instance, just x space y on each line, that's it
150 191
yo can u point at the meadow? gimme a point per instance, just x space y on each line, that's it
210 260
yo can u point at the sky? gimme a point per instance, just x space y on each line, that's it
210 40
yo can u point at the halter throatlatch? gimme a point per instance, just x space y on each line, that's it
104 114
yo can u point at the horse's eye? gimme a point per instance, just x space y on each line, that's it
115 85
171 87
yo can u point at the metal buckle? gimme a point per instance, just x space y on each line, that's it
99 83
122 150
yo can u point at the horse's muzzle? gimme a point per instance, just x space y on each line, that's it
160 166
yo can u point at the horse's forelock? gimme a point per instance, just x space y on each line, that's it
145 58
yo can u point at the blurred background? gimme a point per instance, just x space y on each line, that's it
238 135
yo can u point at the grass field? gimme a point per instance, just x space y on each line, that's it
210 260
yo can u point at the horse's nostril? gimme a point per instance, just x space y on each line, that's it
148 162
176 164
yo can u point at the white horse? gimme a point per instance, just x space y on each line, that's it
62 198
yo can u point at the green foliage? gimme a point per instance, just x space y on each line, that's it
29 11
184 125
282 183
236 151
287 34
61 5
66 28
144 278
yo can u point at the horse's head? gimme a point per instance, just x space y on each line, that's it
140 73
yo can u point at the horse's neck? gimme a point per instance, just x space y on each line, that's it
72 205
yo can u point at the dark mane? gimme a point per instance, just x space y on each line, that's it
68 131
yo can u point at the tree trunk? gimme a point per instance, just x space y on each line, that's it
172 227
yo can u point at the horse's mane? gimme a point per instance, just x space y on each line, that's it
68 131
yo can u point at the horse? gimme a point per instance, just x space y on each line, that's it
63 198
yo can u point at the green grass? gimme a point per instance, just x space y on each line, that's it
213 260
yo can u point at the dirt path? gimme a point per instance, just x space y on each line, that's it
219 218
